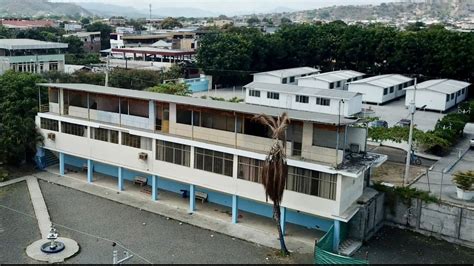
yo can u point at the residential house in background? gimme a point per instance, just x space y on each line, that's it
381 89
22 24
91 40
213 150
330 80
438 94
179 40
74 27
284 76
26 55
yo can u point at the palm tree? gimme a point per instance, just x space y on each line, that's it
275 168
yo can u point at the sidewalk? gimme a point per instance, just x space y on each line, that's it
253 228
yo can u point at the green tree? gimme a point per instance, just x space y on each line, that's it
85 21
253 21
285 20
171 23
105 31
75 45
19 105
181 89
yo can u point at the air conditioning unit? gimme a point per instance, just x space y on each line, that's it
143 156
52 136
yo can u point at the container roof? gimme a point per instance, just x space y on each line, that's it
300 90
206 103
384 81
289 72
446 86
22 44
335 75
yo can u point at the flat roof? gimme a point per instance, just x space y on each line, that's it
300 90
335 75
384 81
22 44
445 86
153 50
82 34
288 72
206 103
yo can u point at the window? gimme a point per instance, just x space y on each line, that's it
106 135
173 153
326 136
452 96
273 95
385 91
49 124
292 79
338 84
183 115
459 93
254 93
250 169
463 90
302 99
213 161
136 141
323 101
312 182
400 87
74 129
331 85
53 94
392 89
284 81
447 98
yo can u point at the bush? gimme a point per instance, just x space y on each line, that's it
464 180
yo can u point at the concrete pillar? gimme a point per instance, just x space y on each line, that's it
61 163
151 115
192 199
154 188
283 219
337 236
120 179
235 209
90 171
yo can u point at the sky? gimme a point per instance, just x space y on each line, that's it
235 6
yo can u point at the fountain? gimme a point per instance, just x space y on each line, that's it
53 246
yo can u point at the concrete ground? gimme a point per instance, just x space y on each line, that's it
395 246
226 93
392 112
393 173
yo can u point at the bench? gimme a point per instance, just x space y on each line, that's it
140 180
201 196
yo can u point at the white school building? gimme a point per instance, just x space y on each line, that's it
438 94
381 89
284 76
330 80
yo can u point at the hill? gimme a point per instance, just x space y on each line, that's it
36 8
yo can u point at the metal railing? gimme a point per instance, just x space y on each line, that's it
44 108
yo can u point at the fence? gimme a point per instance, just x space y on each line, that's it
323 252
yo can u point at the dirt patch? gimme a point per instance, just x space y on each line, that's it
391 172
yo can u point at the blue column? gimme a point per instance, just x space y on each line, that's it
61 163
154 189
235 209
192 199
337 235
120 179
283 219
90 171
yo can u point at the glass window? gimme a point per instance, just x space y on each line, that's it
452 96
292 79
447 98
74 129
302 99
323 101
49 124
213 161
183 115
331 85
250 169
284 80
106 135
254 93
273 95
136 141
173 153
385 91
312 182
392 89
338 84
53 95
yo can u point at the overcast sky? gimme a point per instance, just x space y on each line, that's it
232 6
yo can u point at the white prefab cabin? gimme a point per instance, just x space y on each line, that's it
381 89
330 80
438 94
284 76
334 102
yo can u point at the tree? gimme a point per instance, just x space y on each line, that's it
19 105
137 24
253 21
85 21
275 168
171 23
105 31
285 20
181 89
75 45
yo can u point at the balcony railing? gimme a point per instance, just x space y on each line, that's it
44 108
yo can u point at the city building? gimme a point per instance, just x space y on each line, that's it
381 89
330 80
180 40
22 24
68 27
438 94
91 40
26 55
207 149
153 54
284 76
335 102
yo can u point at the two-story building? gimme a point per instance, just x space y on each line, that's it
26 55
179 143
324 101
330 80
381 89
284 76
91 41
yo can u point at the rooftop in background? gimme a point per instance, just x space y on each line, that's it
21 44
206 103
297 71
153 51
384 81
294 89
335 75
446 86
24 24
83 34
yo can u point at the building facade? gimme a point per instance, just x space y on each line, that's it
381 89
284 76
91 41
182 143
26 55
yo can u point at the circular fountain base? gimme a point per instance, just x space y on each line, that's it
58 247
35 250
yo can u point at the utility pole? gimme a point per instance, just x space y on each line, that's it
149 25
412 110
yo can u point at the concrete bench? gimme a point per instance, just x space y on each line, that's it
140 180
201 196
